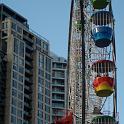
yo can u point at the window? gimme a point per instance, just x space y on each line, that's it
16 45
47 84
20 95
41 61
45 46
47 92
40 105
14 101
13 110
40 114
47 117
40 121
41 73
47 76
19 29
20 87
21 62
15 67
13 119
40 97
47 108
48 64
20 78
21 49
13 26
21 69
14 84
19 113
47 100
40 81
38 41
15 59
4 25
39 88
19 121
14 92
20 104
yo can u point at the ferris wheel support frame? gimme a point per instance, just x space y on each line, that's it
83 62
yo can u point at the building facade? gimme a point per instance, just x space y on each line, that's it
59 86
26 83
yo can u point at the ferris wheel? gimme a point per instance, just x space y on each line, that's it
92 94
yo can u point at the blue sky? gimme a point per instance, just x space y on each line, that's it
50 18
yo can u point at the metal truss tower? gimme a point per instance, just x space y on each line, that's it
92 56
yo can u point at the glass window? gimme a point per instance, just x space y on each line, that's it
19 29
21 62
19 36
41 61
40 81
40 97
20 78
15 75
21 69
16 45
15 67
20 104
20 95
21 49
15 59
47 92
14 84
47 117
13 26
14 101
40 114
4 25
13 119
41 73
40 105
13 110
14 92
19 113
40 121
47 108
47 100
47 76
20 87
48 64
38 41
47 84
39 88
45 46
19 121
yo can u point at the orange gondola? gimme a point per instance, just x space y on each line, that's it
104 86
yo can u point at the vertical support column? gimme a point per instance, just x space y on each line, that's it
83 63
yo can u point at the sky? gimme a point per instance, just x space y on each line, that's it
50 18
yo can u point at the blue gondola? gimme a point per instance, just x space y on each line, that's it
102 36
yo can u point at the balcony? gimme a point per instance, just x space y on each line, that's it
29 64
28 55
57 105
28 72
29 48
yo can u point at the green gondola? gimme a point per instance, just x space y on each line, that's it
103 120
100 4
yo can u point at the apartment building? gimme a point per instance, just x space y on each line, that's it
59 86
25 79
